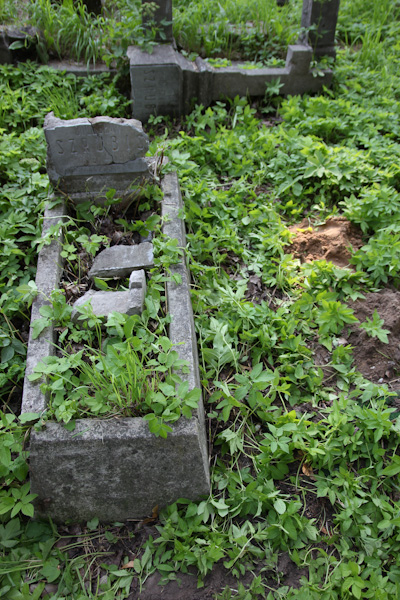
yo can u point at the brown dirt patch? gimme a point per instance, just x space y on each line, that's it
329 241
377 361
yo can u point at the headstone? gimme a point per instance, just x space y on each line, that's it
120 261
161 18
318 20
86 157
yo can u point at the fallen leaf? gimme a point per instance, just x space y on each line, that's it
129 565
307 470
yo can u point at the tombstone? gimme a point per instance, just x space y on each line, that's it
319 19
87 157
160 18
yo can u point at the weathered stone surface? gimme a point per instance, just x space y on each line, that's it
49 269
120 261
318 21
167 83
93 154
115 469
160 17
104 303
80 69
137 280
181 330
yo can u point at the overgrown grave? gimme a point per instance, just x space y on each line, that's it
113 467
165 82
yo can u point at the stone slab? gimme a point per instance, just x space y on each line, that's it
182 328
115 469
120 261
105 302
80 69
92 154
49 269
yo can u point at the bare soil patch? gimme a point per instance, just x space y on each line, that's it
330 241
377 361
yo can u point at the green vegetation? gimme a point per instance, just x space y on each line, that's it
304 456
247 30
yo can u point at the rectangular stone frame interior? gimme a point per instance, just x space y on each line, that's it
116 469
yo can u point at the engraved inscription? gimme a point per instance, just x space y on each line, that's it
73 149
60 149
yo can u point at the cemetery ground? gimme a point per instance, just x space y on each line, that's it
293 230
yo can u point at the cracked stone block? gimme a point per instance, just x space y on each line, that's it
93 155
120 261
104 303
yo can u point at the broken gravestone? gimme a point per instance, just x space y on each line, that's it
87 157
103 303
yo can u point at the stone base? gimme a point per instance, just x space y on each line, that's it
166 83
116 469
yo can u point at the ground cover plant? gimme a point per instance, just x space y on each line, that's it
304 440
250 31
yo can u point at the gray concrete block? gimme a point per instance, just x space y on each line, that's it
137 280
88 155
105 302
120 261
49 269
151 77
298 59
114 469
156 81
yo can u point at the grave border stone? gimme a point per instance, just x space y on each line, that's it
166 83
208 84
116 469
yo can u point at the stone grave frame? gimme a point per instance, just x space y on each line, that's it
113 469
166 83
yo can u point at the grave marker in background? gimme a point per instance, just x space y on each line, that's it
161 18
319 19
